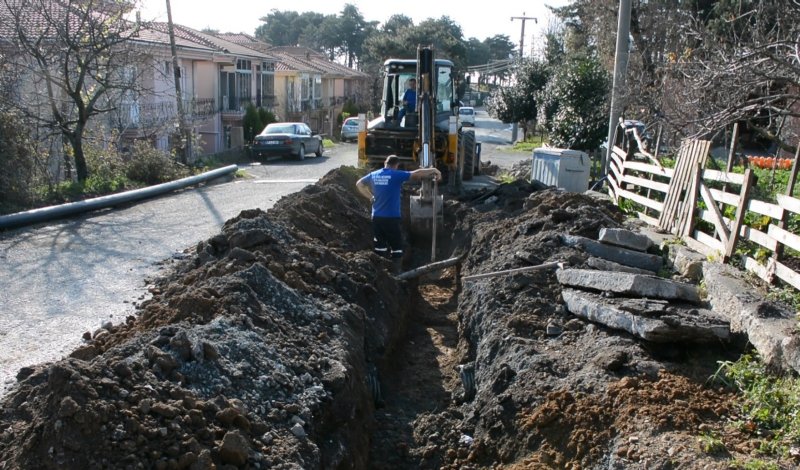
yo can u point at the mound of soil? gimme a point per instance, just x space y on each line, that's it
284 342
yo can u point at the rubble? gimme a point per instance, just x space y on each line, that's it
650 320
616 254
629 284
284 342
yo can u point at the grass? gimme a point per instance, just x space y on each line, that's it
506 178
710 443
532 142
769 405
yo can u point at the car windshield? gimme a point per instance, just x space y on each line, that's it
466 111
351 122
279 129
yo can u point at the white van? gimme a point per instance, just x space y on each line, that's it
466 115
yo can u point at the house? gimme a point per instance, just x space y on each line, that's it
313 89
219 79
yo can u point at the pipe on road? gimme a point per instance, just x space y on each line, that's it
54 212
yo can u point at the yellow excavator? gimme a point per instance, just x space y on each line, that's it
427 135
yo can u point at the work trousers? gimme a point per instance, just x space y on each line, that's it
388 236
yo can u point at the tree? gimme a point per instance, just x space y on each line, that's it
74 59
354 31
280 28
739 64
520 103
579 94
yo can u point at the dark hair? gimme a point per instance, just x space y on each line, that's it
412 79
392 160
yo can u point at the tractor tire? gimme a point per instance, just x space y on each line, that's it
468 138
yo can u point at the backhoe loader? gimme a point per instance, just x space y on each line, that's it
430 135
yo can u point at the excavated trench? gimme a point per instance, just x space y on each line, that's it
284 342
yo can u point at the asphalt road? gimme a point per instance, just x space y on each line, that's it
63 278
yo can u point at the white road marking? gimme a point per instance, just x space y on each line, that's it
285 181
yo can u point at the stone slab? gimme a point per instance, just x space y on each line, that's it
625 239
616 254
770 327
654 321
686 262
628 284
606 265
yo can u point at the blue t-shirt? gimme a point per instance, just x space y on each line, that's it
410 96
387 190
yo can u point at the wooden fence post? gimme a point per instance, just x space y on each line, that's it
778 255
738 220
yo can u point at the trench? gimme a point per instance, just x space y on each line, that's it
419 378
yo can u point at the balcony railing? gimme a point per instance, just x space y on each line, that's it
235 105
267 101
145 115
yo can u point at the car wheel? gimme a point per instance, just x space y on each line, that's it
301 155
320 149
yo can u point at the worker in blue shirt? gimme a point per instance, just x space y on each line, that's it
409 99
384 187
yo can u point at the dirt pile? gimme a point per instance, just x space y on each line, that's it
271 345
252 352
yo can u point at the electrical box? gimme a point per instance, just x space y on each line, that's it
564 168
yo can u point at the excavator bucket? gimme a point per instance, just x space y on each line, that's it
425 213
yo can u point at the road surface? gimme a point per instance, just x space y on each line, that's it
63 278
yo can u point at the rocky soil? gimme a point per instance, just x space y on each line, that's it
284 342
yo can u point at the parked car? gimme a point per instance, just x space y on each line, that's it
285 139
350 129
466 115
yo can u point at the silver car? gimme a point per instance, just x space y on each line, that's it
350 129
286 139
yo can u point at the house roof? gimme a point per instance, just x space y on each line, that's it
156 36
211 41
38 17
303 59
246 40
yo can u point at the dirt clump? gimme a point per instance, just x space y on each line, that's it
284 342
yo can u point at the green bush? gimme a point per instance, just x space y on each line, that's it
20 171
251 123
266 117
349 109
152 166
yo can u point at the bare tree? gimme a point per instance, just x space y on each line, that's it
740 63
73 60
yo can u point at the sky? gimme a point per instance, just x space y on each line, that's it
477 19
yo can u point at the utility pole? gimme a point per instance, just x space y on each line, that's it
514 128
522 35
186 138
620 70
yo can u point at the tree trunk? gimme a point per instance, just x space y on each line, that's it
81 169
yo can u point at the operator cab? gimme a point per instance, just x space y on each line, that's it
398 73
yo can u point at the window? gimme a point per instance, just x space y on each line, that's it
266 84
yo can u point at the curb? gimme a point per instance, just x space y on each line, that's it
63 210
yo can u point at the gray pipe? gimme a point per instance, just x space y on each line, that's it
63 210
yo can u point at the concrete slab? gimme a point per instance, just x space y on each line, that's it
655 321
606 265
770 327
628 284
625 239
613 253
686 262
